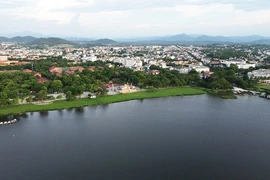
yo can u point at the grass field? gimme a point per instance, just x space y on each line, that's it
182 91
263 87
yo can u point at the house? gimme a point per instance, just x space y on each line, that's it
69 72
28 71
205 75
154 72
91 68
37 75
80 69
54 69
216 64
39 78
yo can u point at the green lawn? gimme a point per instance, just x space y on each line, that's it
103 100
263 87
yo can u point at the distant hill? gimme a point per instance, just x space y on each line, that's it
213 38
247 38
104 41
262 41
4 39
49 41
25 39
178 37
18 39
205 38
198 39
91 41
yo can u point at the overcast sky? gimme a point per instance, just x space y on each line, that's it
135 18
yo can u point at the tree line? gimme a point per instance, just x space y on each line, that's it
19 85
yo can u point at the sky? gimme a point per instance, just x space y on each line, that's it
135 18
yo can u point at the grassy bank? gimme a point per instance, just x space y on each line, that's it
224 94
182 91
263 87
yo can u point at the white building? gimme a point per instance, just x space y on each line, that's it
199 69
72 57
240 64
259 73
246 66
184 70
91 58
3 58
130 63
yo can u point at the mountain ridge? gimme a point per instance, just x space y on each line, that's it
175 39
49 41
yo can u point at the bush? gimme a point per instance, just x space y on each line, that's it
59 97
50 98
29 99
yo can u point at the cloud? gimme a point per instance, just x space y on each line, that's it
113 18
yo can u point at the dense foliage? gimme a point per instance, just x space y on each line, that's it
15 86
225 53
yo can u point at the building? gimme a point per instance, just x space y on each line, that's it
184 70
246 66
28 71
127 89
216 64
3 58
130 63
206 75
91 58
200 69
54 69
154 72
260 73
240 64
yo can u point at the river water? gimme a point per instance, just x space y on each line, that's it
193 137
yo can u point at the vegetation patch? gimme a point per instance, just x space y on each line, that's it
224 94
180 91
263 87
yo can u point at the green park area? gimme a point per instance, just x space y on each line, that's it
155 93
263 87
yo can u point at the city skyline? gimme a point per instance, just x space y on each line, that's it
119 18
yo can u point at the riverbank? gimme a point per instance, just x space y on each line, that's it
224 94
156 93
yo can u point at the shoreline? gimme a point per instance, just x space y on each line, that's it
58 105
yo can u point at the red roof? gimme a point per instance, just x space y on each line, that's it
54 69
38 75
51 68
27 71
92 68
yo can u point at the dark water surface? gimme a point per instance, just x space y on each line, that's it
196 137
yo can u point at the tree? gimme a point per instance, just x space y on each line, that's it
92 88
3 99
101 91
42 94
70 96
56 86
80 89
221 84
